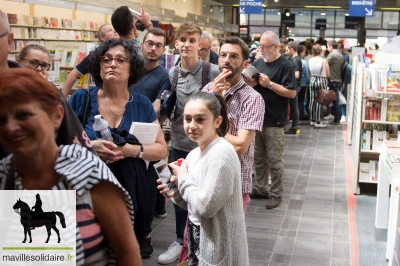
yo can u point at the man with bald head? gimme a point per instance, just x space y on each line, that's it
276 85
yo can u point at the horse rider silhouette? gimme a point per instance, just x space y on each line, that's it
28 219
38 209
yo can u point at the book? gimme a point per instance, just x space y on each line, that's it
372 171
384 103
393 160
146 133
393 111
390 147
81 56
367 140
363 174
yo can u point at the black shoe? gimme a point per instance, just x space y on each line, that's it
293 131
162 213
273 202
255 195
146 249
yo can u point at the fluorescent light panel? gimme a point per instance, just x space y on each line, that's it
333 7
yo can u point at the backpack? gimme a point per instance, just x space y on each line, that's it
346 73
168 98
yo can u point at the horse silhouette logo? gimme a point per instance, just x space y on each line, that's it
37 218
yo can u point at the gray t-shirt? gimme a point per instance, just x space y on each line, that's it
188 82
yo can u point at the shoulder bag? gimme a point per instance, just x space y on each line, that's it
325 96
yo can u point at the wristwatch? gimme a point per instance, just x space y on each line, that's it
270 85
141 152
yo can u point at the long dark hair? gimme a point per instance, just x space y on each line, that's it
217 105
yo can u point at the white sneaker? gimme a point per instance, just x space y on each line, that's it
312 123
329 117
171 255
319 125
343 119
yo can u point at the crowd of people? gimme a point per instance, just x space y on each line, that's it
231 109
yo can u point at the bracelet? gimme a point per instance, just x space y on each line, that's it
148 25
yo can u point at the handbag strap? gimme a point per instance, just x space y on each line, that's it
10 177
85 112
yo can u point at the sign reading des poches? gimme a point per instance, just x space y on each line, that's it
250 7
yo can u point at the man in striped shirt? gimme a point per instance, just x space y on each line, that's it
246 106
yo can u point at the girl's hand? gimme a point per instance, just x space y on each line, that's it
165 190
107 151
177 170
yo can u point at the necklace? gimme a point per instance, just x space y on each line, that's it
131 99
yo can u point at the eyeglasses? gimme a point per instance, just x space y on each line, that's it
33 63
231 56
150 44
265 47
205 49
119 60
3 34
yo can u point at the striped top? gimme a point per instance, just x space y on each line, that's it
80 170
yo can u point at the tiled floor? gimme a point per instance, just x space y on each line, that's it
310 227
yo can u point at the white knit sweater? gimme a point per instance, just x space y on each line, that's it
217 200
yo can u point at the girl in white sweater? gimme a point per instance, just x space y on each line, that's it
209 186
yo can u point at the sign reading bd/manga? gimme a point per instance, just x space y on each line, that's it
38 227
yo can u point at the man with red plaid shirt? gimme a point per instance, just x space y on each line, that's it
245 106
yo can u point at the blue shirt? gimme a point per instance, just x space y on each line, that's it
153 83
140 109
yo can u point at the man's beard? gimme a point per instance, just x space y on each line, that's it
235 71
152 59
268 57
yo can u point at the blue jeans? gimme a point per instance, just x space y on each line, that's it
180 214
343 106
336 108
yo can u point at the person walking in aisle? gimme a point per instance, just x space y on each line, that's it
209 186
319 70
336 61
188 78
305 82
344 87
152 84
245 106
105 32
291 51
70 131
276 84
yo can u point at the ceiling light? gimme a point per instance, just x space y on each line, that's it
279 13
210 9
220 8
287 13
347 14
334 7
276 1
323 14
264 5
390 8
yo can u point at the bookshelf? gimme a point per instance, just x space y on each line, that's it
374 113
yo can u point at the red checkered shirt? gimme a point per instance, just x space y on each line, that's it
246 110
